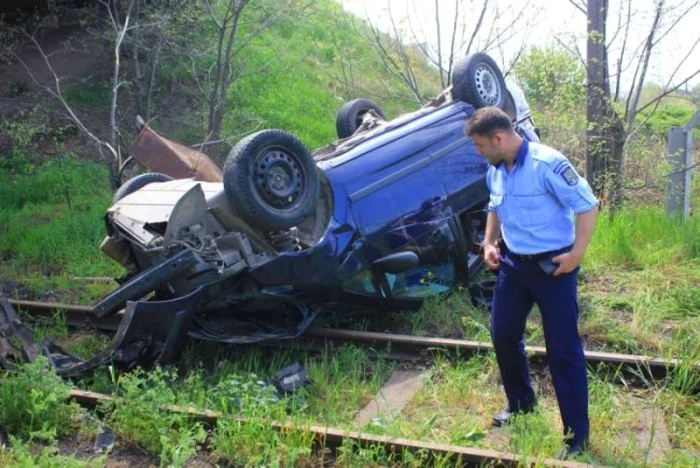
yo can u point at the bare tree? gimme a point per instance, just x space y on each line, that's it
610 129
120 28
108 148
234 30
154 30
468 27
227 27
398 57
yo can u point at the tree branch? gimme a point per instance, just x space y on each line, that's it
582 8
477 28
630 111
56 93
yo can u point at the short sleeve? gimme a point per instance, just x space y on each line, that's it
493 200
569 187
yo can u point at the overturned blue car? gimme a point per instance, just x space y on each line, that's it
391 213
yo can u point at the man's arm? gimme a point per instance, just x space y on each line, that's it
573 191
585 224
493 228
493 232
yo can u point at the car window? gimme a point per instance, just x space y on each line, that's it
422 281
360 284
436 272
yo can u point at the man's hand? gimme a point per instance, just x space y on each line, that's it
567 262
491 255
585 222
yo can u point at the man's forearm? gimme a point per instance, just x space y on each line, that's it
493 228
585 224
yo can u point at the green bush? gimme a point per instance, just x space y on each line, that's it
139 415
551 77
665 117
34 402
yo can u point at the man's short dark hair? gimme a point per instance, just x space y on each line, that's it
488 120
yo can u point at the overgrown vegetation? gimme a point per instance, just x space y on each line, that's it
34 402
640 283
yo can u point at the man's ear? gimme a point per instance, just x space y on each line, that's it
497 139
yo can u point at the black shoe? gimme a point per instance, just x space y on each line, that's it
573 450
506 416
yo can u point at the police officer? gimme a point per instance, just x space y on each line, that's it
545 214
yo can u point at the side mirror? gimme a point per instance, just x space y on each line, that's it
397 262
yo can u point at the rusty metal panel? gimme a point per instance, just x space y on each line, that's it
160 154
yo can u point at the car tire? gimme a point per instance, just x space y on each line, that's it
270 179
137 183
477 80
349 116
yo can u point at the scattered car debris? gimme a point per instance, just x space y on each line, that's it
290 379
105 440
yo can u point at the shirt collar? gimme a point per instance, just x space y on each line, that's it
520 156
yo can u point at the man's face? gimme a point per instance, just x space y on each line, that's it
490 148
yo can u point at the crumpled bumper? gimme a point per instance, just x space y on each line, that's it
151 332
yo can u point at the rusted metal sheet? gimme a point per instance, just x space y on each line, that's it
160 154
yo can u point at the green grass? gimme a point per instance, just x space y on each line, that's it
34 402
302 88
51 226
639 238
89 94
641 289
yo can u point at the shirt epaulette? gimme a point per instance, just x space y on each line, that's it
549 156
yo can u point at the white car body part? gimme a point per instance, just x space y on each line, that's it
523 119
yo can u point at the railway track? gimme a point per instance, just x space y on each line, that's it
332 437
401 346
407 347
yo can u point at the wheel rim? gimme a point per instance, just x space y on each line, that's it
278 178
487 85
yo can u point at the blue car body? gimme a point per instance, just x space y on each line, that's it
409 187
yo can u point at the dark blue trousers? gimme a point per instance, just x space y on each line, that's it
521 284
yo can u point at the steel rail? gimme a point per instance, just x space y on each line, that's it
414 346
331 437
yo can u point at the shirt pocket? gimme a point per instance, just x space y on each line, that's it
533 209
497 204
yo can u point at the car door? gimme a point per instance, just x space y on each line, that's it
436 272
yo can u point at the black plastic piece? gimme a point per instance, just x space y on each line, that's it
145 282
151 332
290 379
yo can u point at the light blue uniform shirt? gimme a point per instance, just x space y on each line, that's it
537 200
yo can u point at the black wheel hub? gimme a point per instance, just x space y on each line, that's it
278 178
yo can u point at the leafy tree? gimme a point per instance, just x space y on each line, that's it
551 77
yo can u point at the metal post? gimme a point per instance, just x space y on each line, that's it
680 145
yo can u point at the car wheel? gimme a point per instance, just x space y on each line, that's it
137 183
270 179
476 79
349 116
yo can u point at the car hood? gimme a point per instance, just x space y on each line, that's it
153 205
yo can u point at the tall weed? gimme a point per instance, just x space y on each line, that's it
34 402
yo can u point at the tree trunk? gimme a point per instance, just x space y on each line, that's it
605 133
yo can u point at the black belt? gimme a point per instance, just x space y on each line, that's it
533 257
